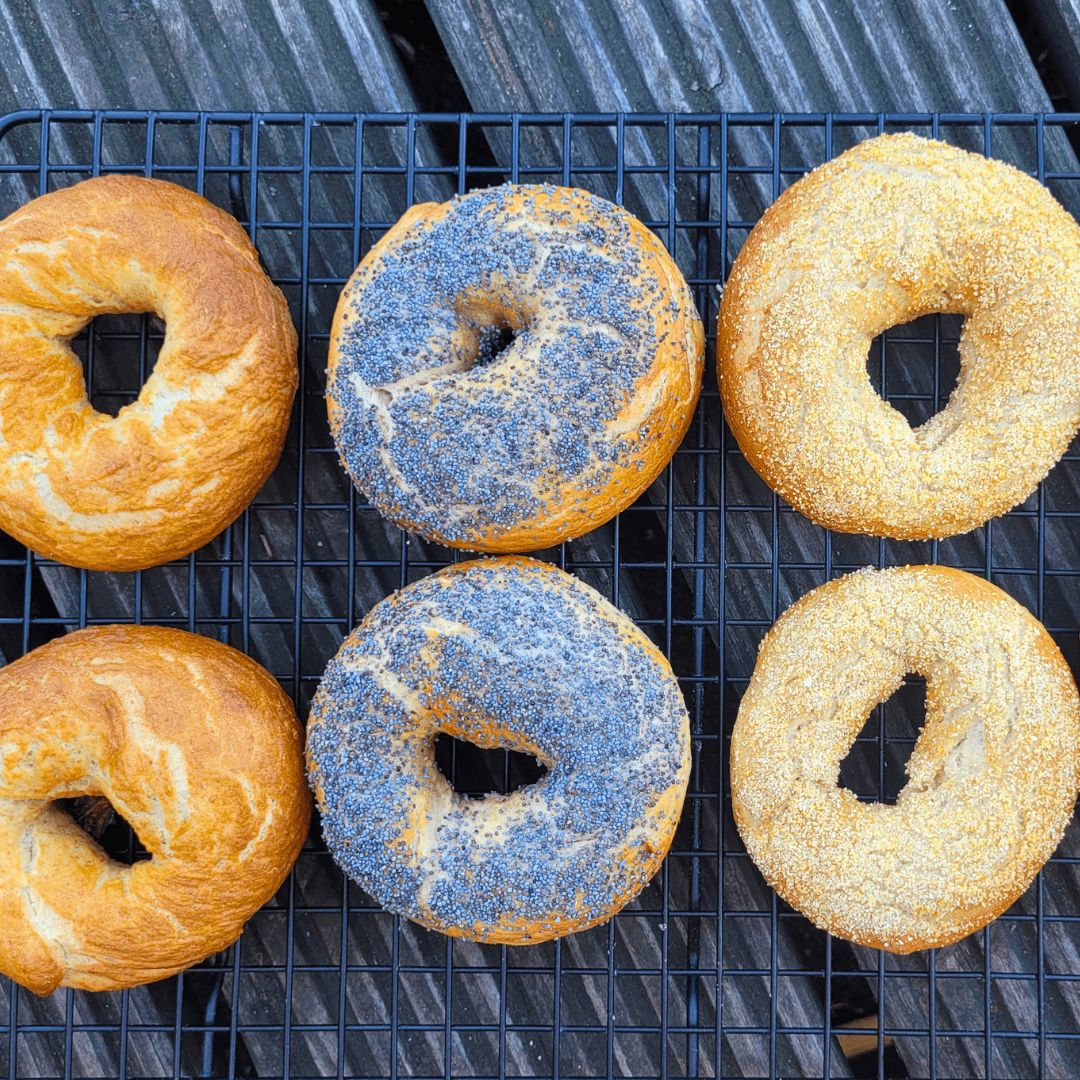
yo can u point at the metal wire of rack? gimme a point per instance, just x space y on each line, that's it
707 973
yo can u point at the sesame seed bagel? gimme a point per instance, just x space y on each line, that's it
992 778
522 448
895 228
506 653
180 463
196 746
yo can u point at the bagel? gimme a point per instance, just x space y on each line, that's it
176 466
992 778
893 229
200 751
506 653
518 449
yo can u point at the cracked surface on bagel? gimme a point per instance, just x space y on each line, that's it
197 748
177 465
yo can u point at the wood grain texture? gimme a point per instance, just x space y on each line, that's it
213 56
791 55
788 55
244 55
175 54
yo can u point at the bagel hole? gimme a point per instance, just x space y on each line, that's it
875 768
118 353
494 341
476 773
915 366
99 819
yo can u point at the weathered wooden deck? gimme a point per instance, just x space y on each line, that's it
329 999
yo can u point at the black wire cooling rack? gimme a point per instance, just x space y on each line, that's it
707 973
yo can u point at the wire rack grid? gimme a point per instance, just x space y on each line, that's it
707 973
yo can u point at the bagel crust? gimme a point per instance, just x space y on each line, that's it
197 747
992 778
518 449
895 228
176 466
508 653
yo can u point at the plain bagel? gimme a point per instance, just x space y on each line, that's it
197 747
502 653
896 228
992 778
511 369
176 466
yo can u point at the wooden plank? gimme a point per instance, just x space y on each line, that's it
199 54
233 55
788 55
269 592
792 55
277 66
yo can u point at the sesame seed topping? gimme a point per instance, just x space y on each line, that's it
992 778
893 229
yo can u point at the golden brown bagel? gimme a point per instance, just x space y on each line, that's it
180 463
895 228
547 439
503 653
991 781
196 746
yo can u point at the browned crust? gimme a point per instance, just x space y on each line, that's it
896 228
992 779
197 747
180 463
654 419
